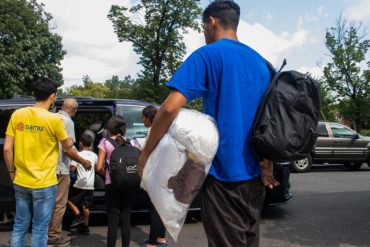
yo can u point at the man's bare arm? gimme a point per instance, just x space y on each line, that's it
162 121
9 156
67 146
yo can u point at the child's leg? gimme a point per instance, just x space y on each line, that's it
74 208
86 215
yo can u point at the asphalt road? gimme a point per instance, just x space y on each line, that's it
330 207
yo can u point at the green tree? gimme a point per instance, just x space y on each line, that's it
120 89
89 88
28 48
327 101
157 38
345 74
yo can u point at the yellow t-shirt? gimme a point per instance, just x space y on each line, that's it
36 134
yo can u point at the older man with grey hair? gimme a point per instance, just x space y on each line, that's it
67 111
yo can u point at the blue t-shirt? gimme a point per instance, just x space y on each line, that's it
231 78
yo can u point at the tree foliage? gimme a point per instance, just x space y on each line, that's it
157 38
112 88
327 101
345 74
89 88
28 48
122 89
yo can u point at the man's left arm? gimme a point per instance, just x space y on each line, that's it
68 148
9 156
162 121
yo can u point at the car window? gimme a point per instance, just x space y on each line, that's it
321 130
5 114
340 131
87 116
135 125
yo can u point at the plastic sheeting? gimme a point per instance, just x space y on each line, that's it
177 167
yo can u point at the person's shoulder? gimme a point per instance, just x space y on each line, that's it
102 141
66 118
51 116
20 111
91 153
218 47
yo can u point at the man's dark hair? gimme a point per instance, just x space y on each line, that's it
149 112
227 12
86 139
44 87
117 125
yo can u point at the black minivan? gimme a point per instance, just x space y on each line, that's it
92 114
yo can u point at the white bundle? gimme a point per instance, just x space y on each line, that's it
197 132
170 177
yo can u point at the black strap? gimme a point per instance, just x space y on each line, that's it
273 77
113 142
272 69
116 144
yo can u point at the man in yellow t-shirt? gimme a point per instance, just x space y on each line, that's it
31 154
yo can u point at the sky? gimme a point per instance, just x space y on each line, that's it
291 29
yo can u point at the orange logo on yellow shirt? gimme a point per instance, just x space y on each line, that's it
30 128
20 126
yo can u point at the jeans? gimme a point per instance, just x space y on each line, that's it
37 204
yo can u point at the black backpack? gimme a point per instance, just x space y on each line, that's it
285 123
123 165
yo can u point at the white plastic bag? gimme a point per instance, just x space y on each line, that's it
178 166
197 132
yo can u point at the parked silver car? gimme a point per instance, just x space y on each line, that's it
336 144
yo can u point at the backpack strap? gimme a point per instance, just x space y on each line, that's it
116 144
273 77
113 142
127 141
272 69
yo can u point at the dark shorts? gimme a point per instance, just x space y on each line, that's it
231 212
80 197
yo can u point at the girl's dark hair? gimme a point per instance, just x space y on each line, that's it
116 125
44 87
149 112
228 12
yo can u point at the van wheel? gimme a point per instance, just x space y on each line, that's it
353 166
303 165
6 220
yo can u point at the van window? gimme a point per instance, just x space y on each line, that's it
5 114
91 118
135 125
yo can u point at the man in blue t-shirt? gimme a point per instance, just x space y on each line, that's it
231 78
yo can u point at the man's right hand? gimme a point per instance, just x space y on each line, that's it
267 173
87 165
12 176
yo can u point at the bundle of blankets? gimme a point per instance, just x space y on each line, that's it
178 166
